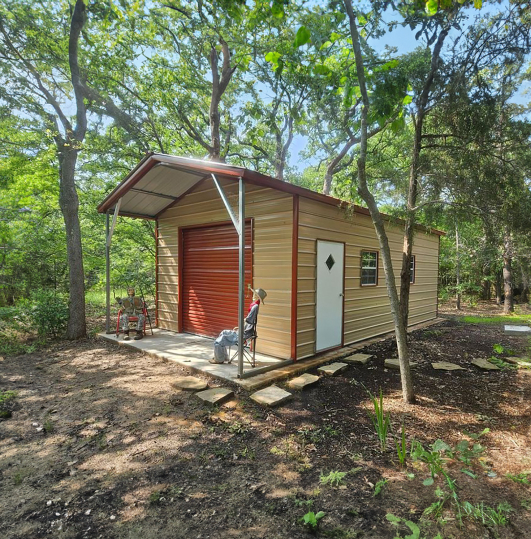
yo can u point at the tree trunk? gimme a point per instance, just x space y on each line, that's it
486 284
508 304
282 148
524 297
409 227
69 203
457 271
363 190
498 286
414 171
329 175
215 142
279 161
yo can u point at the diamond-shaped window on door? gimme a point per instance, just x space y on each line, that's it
330 262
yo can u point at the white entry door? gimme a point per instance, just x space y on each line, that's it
329 294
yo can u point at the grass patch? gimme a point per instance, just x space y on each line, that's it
7 401
502 319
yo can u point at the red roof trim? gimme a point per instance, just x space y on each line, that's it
256 178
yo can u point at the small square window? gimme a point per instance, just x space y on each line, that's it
369 268
412 268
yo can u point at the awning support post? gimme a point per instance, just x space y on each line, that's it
241 284
227 203
114 218
109 231
239 225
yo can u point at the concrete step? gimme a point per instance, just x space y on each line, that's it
517 330
360 359
302 382
216 395
333 369
484 364
189 383
271 396
393 363
446 366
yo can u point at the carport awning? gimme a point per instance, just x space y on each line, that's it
159 181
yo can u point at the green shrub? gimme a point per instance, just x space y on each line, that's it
7 402
48 313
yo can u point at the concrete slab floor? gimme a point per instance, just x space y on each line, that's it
190 351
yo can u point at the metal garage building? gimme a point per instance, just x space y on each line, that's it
316 256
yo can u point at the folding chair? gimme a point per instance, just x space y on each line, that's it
138 304
249 347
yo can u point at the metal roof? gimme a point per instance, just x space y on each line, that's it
159 181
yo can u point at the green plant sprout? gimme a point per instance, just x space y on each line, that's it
380 486
333 478
520 478
401 447
380 420
311 520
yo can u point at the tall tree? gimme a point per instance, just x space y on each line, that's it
46 73
32 67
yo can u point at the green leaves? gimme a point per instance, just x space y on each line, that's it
273 57
433 6
396 521
303 36
312 519
439 445
277 9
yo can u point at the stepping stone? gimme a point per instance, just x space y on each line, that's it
303 381
332 369
271 396
484 364
517 330
394 364
360 359
520 361
446 366
216 395
189 383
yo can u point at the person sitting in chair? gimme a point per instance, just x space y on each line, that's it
131 306
229 337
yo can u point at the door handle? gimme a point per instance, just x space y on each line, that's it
341 294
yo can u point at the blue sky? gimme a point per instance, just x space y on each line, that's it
404 40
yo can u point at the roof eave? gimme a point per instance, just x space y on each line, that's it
200 166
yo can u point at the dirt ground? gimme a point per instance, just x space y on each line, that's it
101 446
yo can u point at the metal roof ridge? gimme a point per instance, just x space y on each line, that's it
152 159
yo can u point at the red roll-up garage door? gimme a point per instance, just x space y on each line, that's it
210 277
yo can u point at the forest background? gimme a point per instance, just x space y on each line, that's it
88 87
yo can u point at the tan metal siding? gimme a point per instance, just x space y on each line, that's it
272 213
367 309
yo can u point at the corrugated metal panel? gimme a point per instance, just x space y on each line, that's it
210 278
272 214
162 180
367 309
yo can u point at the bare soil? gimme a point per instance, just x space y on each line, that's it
101 445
